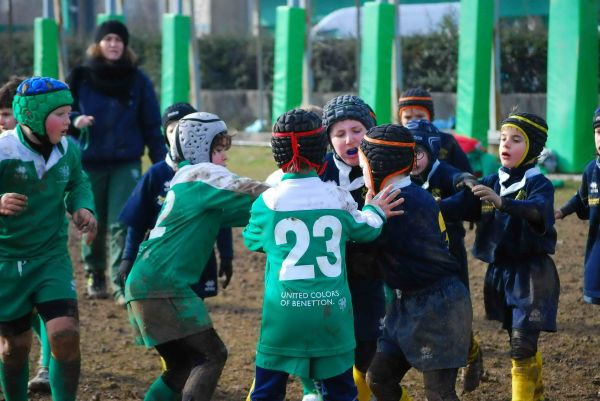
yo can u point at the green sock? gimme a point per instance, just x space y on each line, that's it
64 379
308 385
159 391
39 327
14 381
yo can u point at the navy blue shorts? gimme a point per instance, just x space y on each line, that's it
430 327
523 294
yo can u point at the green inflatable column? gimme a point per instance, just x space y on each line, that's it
375 86
572 81
474 68
45 48
100 18
175 68
289 54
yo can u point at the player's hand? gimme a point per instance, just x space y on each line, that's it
124 270
83 121
465 180
86 223
12 204
558 214
226 269
386 200
487 194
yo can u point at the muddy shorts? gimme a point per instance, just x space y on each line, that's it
523 294
430 327
317 368
25 283
160 320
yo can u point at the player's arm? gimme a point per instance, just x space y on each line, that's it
577 204
254 231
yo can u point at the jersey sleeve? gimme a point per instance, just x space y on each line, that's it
225 243
365 224
253 232
579 202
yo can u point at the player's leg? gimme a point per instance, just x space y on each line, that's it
309 390
94 254
15 344
525 372
62 326
269 385
168 386
364 352
384 376
439 385
207 355
474 371
368 304
121 182
340 387
41 381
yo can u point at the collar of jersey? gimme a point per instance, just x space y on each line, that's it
291 176
21 137
402 183
503 176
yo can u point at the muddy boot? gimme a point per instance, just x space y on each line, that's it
96 286
41 382
473 372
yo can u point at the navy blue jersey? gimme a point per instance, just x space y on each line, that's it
452 153
585 203
440 184
504 236
414 246
142 209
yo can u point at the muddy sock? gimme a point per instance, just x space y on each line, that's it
39 328
14 381
64 379
159 391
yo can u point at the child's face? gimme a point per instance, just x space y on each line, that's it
112 47
7 119
171 131
365 171
597 139
413 113
57 124
512 147
422 160
219 155
345 137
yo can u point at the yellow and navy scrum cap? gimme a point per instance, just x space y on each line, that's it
535 131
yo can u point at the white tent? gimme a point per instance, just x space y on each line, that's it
414 19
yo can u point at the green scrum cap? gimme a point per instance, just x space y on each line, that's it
36 98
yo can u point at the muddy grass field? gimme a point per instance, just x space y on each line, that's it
116 369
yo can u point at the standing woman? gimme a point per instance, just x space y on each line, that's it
115 115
